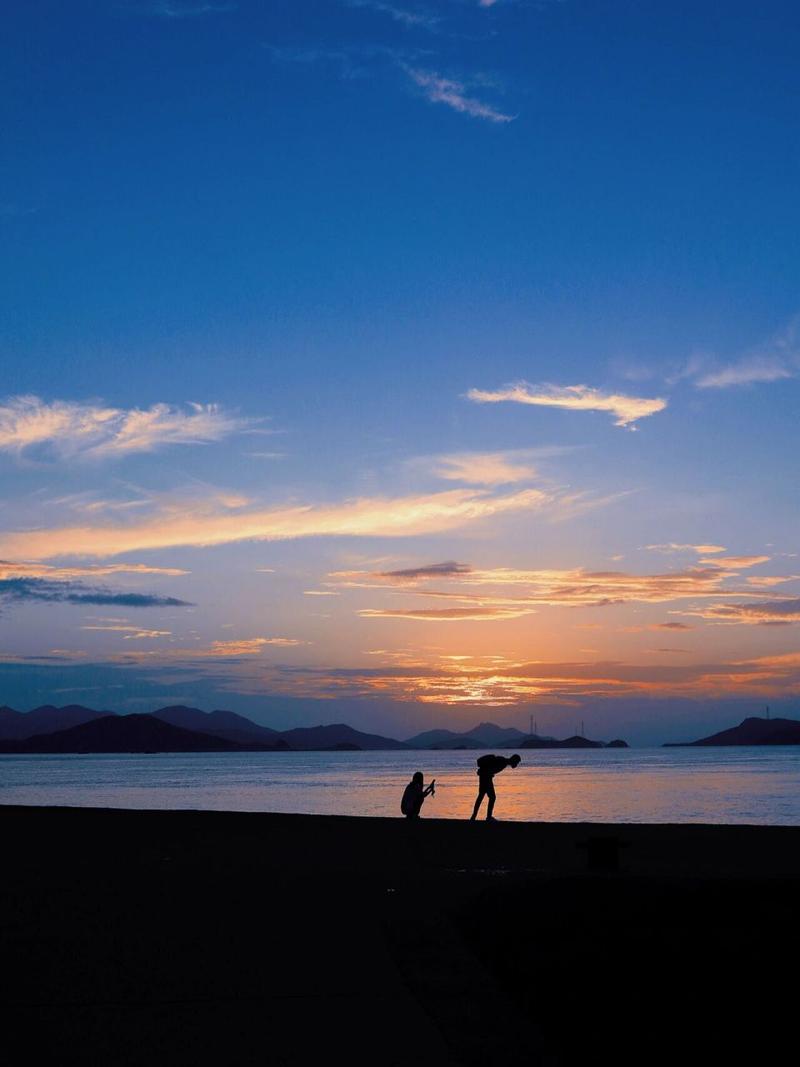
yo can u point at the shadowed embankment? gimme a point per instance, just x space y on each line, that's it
192 938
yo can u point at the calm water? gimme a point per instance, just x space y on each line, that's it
737 785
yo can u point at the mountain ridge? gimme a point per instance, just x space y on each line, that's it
750 731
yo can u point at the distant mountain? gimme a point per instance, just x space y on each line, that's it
319 738
480 736
442 739
751 731
487 733
16 725
123 733
225 724
568 742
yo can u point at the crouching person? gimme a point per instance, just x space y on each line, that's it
414 795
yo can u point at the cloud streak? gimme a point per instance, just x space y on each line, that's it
512 588
745 372
403 15
627 410
477 614
448 569
781 612
206 524
43 570
441 90
19 590
672 546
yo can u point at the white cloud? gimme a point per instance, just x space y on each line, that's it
66 428
745 372
626 409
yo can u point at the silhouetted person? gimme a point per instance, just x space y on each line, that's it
488 767
414 796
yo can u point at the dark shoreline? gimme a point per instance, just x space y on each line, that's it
183 937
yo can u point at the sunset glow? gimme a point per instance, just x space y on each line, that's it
401 365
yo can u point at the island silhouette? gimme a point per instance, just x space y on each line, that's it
750 731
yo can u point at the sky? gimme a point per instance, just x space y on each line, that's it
404 364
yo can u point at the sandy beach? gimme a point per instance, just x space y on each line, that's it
191 937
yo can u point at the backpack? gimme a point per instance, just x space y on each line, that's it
490 764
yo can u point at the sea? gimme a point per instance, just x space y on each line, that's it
685 785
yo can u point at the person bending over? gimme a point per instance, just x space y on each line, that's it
488 767
414 796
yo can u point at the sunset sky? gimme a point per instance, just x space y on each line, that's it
404 364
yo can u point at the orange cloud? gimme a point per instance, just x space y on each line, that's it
131 632
736 562
205 524
554 587
671 546
504 684
770 612
43 570
446 614
484 468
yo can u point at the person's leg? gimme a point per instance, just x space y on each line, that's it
491 795
481 793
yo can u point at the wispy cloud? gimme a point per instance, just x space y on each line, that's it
411 17
43 570
625 409
735 563
485 468
745 372
775 360
454 94
65 428
207 523
507 587
779 612
240 648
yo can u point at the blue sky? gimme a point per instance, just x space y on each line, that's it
512 285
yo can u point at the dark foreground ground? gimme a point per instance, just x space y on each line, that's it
206 938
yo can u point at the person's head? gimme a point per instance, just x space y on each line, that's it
515 760
416 777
